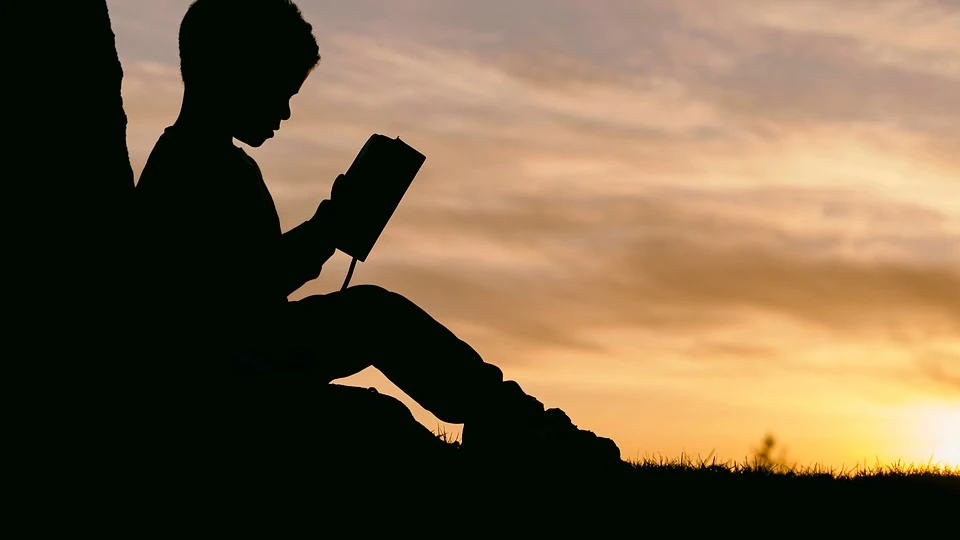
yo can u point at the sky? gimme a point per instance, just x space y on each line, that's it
687 223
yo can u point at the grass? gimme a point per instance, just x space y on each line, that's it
651 487
764 467
692 497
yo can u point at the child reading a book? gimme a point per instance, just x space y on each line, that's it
217 270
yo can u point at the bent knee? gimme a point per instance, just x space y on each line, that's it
366 290
375 295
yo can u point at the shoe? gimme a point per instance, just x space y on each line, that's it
518 430
565 442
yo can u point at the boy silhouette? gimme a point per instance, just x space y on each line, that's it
217 270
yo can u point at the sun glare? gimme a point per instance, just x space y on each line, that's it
942 433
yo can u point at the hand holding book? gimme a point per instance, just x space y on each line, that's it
325 224
364 199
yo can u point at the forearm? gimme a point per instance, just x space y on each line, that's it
303 252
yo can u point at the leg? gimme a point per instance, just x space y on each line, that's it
367 325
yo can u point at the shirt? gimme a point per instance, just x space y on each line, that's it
214 264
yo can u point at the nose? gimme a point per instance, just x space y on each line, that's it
285 112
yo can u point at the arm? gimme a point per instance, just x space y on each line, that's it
304 249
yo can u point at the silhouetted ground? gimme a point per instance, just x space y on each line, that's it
672 498
286 489
652 498
819 486
658 483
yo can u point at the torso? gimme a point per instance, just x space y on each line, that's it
193 198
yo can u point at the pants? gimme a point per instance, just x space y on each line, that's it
339 334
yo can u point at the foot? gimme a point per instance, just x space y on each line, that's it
566 441
519 430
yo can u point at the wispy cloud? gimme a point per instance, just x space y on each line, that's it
664 189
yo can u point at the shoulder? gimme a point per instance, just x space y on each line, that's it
180 163
170 159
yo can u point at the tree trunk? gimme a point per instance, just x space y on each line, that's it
67 262
71 256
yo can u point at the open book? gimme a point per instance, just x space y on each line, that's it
370 191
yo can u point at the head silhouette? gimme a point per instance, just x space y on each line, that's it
243 60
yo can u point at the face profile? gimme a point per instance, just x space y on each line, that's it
258 107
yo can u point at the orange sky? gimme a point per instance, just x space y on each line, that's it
686 223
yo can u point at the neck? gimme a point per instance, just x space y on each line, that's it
201 116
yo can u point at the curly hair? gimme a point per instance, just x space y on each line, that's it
220 36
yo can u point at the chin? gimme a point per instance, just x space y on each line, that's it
254 140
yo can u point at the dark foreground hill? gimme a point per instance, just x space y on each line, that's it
385 496
678 499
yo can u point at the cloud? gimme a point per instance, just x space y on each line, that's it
913 34
565 273
775 61
942 366
644 205
660 230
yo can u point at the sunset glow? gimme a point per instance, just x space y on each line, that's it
687 223
939 433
